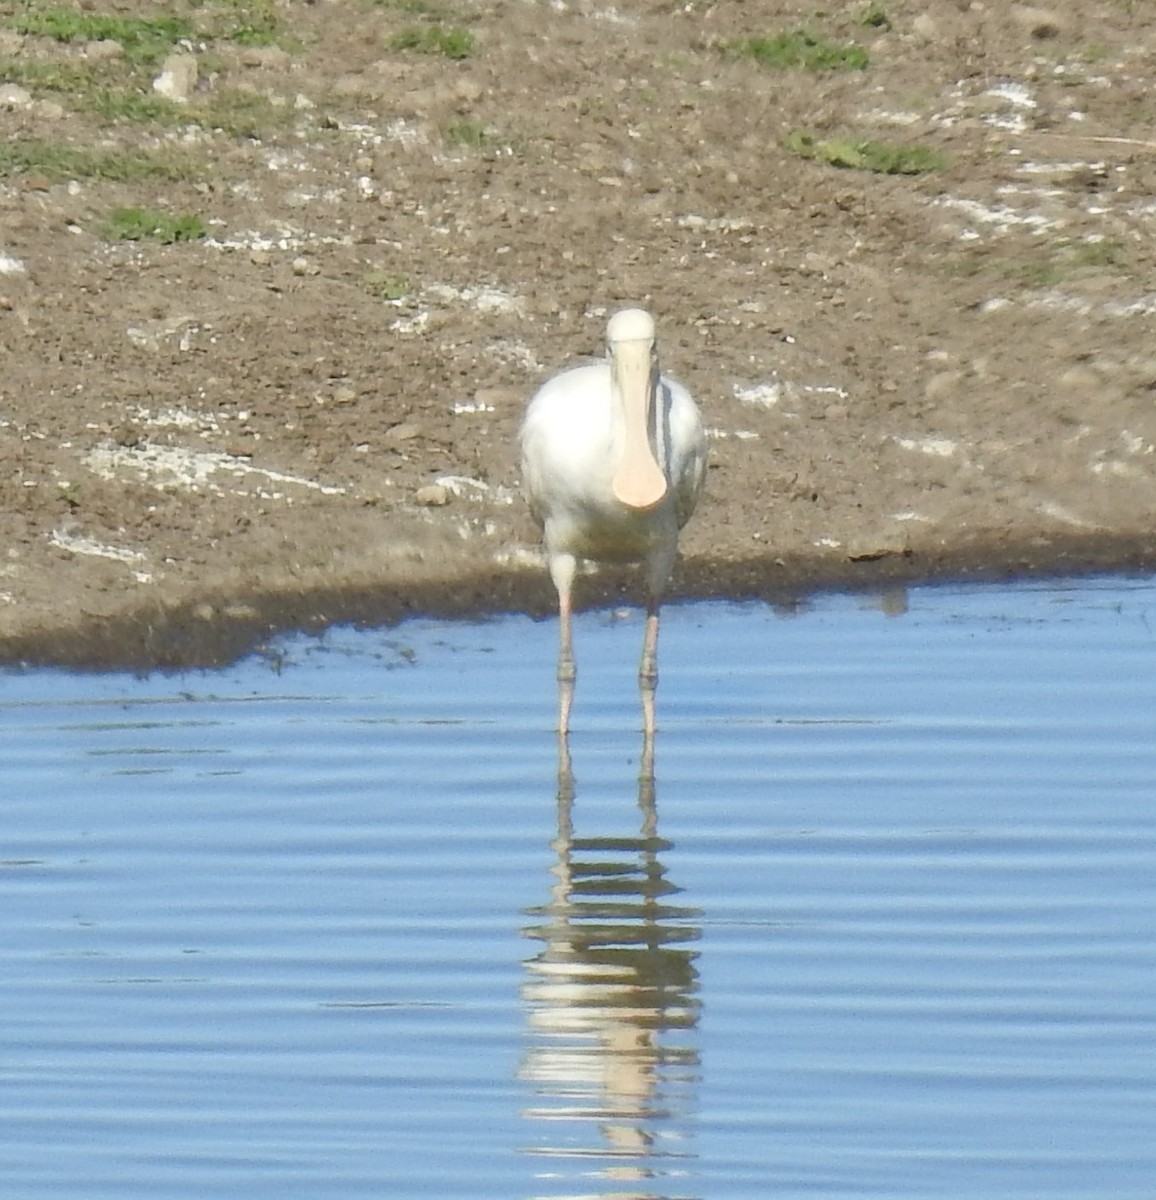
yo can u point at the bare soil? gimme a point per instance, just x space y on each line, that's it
309 415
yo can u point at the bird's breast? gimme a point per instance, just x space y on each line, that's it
571 445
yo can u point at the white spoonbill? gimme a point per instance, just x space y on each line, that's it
613 461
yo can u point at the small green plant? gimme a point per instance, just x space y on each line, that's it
69 494
859 154
801 48
57 162
464 132
138 224
873 16
386 285
1093 52
454 42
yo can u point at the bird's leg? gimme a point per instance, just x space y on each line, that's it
567 671
565 702
648 668
646 793
565 791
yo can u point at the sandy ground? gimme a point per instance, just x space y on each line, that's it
309 414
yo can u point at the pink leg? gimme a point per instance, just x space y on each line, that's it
566 669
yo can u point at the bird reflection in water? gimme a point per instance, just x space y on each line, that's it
612 1008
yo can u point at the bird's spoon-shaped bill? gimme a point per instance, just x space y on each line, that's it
639 482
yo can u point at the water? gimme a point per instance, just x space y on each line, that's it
339 923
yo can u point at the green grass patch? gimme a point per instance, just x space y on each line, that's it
247 22
1032 270
801 48
57 162
141 224
144 41
50 76
86 88
453 42
128 104
241 114
119 89
1102 254
425 10
1045 266
858 154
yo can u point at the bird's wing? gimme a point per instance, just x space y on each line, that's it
688 440
690 484
563 433
532 482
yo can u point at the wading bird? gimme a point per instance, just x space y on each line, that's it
613 461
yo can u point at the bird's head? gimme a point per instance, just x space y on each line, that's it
639 481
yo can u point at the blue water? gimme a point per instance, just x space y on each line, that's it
339 921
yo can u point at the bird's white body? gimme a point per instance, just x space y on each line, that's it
571 448
613 463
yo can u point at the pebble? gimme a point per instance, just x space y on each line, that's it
468 92
925 27
433 495
272 58
878 545
498 398
943 384
1080 377
103 51
1041 23
13 96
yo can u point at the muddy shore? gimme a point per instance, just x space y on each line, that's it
304 412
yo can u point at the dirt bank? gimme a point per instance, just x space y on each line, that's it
307 414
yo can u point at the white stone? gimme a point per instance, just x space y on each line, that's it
177 79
